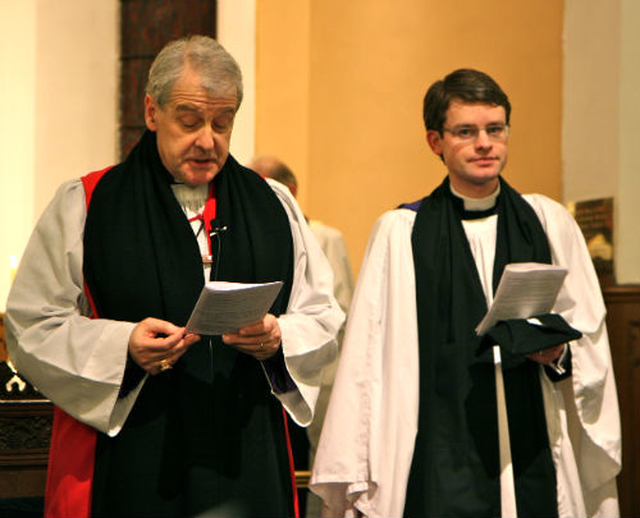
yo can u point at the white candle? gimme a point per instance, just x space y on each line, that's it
13 261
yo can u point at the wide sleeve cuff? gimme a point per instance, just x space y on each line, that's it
277 374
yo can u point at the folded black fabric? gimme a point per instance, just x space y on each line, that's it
522 336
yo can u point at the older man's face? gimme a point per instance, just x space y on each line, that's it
193 129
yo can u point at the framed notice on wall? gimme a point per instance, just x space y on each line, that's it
595 219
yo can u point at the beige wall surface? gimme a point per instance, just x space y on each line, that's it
17 126
627 246
59 105
236 28
601 118
340 88
76 100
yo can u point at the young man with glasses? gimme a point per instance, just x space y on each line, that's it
417 425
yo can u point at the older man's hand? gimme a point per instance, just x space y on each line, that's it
260 340
156 345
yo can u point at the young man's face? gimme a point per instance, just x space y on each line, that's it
193 129
473 146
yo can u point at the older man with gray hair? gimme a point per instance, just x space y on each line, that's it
151 420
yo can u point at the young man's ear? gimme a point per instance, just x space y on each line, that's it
150 111
434 139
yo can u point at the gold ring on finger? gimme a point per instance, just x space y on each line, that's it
165 365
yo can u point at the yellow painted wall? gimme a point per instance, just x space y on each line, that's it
282 84
339 88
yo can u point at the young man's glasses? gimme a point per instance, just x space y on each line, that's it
496 132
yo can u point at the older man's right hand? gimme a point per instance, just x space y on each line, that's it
156 345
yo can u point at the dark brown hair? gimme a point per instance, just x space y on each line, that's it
466 85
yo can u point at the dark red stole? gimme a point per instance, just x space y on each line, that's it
69 477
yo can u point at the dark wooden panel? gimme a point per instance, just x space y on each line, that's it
26 418
25 432
134 75
146 26
623 324
129 137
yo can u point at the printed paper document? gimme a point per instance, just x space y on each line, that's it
525 290
225 307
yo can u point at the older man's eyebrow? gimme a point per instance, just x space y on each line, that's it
187 108
191 108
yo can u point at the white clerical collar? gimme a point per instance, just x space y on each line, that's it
191 199
477 204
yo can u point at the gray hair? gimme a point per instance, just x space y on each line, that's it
219 72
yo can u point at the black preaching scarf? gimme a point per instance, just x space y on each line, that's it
206 434
455 469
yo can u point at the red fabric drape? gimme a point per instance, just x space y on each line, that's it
72 450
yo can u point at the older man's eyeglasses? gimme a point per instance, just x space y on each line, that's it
495 132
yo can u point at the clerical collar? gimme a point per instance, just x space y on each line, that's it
191 199
476 208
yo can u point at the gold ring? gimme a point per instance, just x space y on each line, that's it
165 365
261 345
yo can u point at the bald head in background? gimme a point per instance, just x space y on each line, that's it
272 167
330 239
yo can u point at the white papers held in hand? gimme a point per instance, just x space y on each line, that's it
225 307
525 290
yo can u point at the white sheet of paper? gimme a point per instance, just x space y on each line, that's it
225 307
525 290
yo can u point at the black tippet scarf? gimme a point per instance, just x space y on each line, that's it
455 467
207 434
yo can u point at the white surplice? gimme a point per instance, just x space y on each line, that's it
334 247
79 362
367 443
